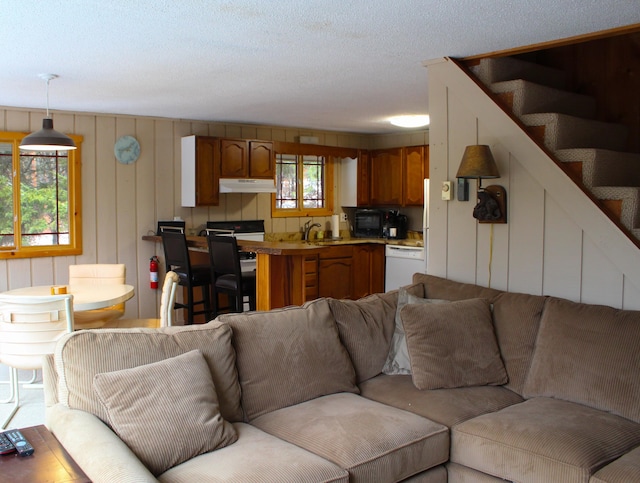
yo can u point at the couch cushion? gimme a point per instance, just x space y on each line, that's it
372 441
452 345
444 406
461 474
167 411
398 357
542 439
256 457
441 288
623 470
516 319
288 356
366 327
81 355
588 354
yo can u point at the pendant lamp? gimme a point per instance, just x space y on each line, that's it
47 139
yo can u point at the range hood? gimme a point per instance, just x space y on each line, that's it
247 185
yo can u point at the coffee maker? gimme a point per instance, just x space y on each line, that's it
394 225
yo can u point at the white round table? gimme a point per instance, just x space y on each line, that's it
85 297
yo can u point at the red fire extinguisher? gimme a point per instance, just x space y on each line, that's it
153 271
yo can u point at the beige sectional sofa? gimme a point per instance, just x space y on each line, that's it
479 385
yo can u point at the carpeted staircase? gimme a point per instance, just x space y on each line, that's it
592 150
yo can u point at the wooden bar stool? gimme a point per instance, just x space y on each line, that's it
176 256
227 276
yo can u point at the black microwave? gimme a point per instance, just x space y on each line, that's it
368 224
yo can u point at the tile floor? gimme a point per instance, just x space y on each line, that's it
31 412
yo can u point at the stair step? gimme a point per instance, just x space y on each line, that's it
501 69
630 196
563 131
603 167
529 98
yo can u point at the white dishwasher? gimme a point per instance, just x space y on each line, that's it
401 262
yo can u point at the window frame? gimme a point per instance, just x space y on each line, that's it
74 207
332 155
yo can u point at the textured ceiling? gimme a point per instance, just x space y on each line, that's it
323 64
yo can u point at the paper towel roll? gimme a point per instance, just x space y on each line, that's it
335 226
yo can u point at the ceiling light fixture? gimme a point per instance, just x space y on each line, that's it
418 120
47 139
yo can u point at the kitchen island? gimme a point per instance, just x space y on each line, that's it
291 273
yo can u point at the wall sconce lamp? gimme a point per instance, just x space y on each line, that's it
478 163
47 139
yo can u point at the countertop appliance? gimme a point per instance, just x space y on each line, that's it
401 262
368 223
395 225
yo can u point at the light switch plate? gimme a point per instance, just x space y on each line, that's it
447 190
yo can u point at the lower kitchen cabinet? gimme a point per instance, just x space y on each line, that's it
351 271
335 272
368 269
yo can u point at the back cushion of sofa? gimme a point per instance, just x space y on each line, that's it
588 354
441 288
366 328
81 355
516 319
288 356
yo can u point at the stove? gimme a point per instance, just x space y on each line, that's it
252 230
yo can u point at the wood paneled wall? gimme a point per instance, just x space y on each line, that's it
121 203
556 241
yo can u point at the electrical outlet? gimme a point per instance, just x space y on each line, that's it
343 217
447 190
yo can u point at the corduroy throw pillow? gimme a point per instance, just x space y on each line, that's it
166 412
452 345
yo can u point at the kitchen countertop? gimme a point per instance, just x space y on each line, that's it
297 247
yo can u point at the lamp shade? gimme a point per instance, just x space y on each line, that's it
47 139
477 162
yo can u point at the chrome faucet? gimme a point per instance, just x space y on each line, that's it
307 229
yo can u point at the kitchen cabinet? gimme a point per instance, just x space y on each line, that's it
335 272
397 174
311 277
416 164
387 173
354 180
200 171
241 158
351 271
368 269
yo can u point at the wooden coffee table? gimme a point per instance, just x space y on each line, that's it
48 463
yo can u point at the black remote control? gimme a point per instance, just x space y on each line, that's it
6 446
20 442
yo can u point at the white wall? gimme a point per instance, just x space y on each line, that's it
556 241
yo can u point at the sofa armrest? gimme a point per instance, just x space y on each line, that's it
101 454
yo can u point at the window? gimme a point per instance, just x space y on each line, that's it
40 196
304 185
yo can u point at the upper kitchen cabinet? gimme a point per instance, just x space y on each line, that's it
397 174
416 162
240 158
200 171
354 180
386 174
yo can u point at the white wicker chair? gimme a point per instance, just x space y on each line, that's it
167 301
29 329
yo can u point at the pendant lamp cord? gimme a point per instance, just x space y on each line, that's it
48 80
